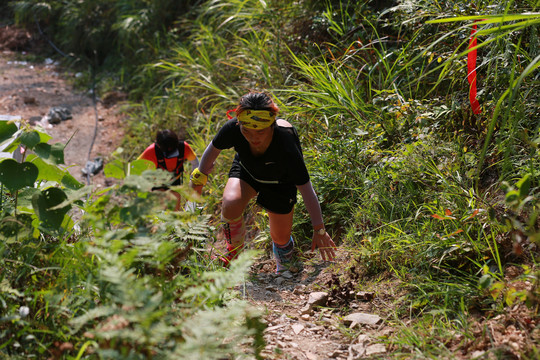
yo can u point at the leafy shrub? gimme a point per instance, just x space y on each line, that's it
128 280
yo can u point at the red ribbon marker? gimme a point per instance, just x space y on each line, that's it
229 112
471 72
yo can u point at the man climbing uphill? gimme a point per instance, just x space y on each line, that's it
269 165
169 153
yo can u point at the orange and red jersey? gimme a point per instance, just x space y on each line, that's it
150 154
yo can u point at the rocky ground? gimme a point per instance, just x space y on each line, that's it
315 314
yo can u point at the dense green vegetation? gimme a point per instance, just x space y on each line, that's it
412 182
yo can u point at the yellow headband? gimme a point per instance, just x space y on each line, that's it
256 119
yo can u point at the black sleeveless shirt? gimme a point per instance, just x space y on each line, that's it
282 163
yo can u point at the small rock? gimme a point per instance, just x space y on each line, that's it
356 351
57 114
93 167
477 354
317 329
283 318
29 100
287 274
317 298
364 296
297 328
267 268
305 317
306 310
273 328
335 354
361 318
362 338
375 349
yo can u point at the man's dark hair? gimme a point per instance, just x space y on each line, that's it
167 140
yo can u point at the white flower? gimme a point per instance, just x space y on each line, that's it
24 311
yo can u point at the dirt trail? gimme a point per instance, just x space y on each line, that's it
307 313
30 90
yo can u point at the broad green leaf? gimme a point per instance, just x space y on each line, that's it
16 176
512 196
114 169
51 153
30 139
139 183
51 172
496 289
485 282
43 203
524 185
47 172
70 182
11 144
25 197
7 129
75 196
137 167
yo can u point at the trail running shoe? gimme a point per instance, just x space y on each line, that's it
234 231
285 258
231 254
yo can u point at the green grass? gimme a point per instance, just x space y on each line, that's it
413 184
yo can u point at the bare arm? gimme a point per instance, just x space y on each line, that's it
205 166
194 163
207 159
312 203
323 242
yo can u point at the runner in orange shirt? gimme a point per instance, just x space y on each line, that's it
169 153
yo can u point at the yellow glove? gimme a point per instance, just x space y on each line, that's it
198 178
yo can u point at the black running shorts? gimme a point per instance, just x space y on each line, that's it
277 198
